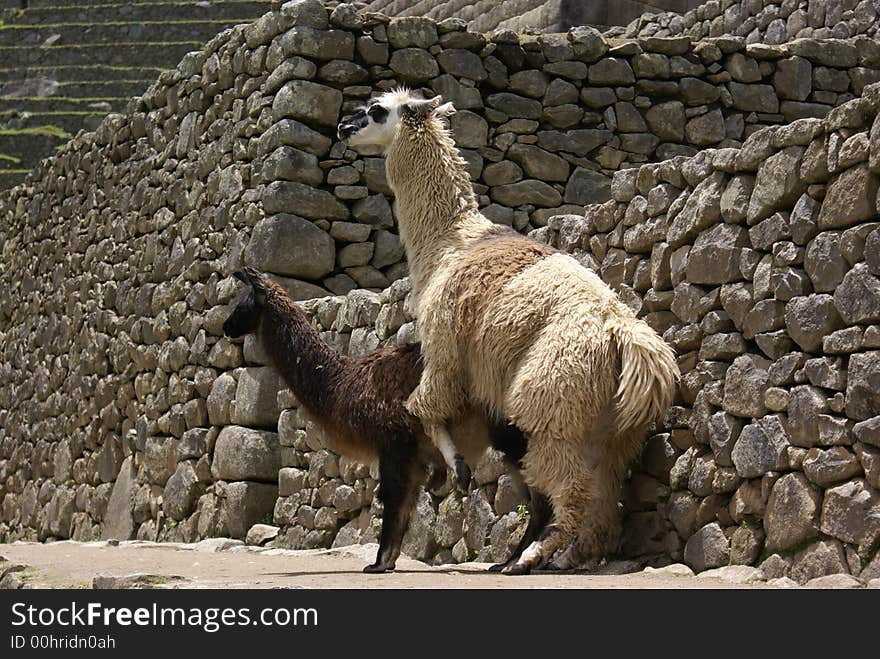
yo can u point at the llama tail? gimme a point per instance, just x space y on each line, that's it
648 374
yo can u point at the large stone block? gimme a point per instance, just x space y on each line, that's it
308 101
792 514
291 245
246 503
246 454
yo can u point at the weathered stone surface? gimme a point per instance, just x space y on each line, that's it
715 256
119 519
863 385
181 492
792 514
744 386
246 503
707 548
761 447
831 466
858 296
851 513
850 198
817 560
245 454
290 245
809 319
308 101
777 184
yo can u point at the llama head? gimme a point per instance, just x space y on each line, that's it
378 121
247 305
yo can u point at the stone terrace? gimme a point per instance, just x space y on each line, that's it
65 64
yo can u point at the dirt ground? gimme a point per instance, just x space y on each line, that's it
216 564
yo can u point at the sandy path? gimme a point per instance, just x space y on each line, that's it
73 564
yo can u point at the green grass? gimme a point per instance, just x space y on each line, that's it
41 131
212 21
134 4
113 44
12 159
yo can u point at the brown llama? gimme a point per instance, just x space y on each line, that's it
359 403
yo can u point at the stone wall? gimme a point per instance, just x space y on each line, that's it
123 411
760 21
760 266
522 15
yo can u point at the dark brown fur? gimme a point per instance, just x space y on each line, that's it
358 401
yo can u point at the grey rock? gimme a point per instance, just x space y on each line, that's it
707 548
818 560
830 466
181 492
809 319
857 298
529 191
863 383
850 198
792 514
309 202
259 534
851 513
715 256
744 386
308 101
587 187
256 397
246 503
761 448
412 31
824 262
868 431
806 404
246 454
777 184
414 65
119 519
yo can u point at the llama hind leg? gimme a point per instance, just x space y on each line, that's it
571 490
540 513
400 475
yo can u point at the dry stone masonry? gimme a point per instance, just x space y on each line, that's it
727 190
762 21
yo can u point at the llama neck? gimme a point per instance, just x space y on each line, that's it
309 366
435 202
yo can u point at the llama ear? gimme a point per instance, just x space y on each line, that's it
255 280
421 107
445 110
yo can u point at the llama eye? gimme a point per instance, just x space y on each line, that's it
377 113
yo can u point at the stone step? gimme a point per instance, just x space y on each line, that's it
90 72
61 104
143 11
44 87
165 55
23 148
11 178
71 122
125 32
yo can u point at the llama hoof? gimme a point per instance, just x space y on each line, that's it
377 568
498 567
462 474
517 569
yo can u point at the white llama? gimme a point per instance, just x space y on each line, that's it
519 328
